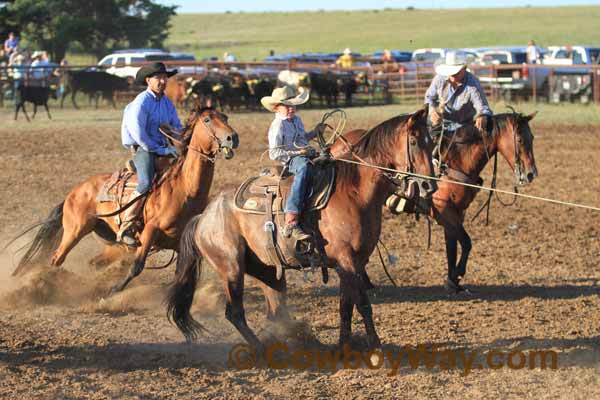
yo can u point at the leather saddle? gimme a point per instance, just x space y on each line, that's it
266 195
253 195
121 183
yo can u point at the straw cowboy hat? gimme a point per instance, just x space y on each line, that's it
286 95
36 54
149 70
451 64
347 51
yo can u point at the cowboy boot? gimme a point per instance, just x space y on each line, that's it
126 235
292 228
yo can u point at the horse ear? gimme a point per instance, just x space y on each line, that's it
419 116
530 116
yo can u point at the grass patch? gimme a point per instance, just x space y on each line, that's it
251 35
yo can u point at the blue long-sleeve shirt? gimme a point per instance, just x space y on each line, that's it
141 120
458 105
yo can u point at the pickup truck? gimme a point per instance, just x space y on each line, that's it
552 83
571 84
511 82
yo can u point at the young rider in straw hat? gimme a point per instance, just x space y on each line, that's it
139 131
455 95
288 143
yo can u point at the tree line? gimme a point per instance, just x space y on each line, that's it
95 27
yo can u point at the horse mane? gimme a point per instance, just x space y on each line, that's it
375 143
466 136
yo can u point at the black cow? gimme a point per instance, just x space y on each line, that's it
348 86
210 91
237 92
38 95
258 89
325 86
93 83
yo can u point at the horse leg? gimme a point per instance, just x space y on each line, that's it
452 283
146 239
353 292
233 282
465 245
275 290
346 310
34 110
75 228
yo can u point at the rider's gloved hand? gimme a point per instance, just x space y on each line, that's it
171 151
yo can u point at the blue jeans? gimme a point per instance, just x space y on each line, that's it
301 168
144 164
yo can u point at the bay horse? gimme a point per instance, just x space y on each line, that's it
234 243
466 155
182 193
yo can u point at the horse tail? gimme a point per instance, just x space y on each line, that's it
181 292
45 242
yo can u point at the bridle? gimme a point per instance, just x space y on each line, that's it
207 122
404 183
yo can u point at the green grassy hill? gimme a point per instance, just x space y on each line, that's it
251 35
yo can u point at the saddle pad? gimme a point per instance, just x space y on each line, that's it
251 195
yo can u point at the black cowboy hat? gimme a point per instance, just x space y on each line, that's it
149 70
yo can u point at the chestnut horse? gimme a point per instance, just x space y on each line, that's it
182 194
468 153
234 243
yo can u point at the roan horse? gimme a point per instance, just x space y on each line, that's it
466 155
234 243
182 194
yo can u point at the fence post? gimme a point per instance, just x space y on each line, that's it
596 84
533 69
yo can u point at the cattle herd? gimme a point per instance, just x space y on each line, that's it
227 90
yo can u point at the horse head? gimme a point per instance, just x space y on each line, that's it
412 153
211 133
515 143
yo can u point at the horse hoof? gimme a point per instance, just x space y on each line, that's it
453 287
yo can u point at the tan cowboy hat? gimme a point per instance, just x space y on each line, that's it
286 95
451 64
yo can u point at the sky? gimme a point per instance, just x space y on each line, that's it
195 6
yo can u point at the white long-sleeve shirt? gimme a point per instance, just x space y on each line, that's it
287 136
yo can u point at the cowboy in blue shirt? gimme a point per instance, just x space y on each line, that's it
139 132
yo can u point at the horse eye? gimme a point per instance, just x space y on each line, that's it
413 141
207 120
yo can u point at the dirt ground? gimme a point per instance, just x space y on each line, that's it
533 272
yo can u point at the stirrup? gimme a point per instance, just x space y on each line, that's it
127 237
